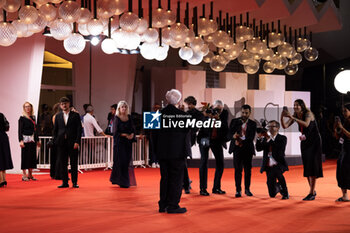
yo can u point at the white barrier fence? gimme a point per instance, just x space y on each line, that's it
96 152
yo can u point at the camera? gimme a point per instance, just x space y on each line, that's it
212 111
263 128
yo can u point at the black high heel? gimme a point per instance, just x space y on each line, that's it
2 184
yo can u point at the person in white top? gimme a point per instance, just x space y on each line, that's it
90 124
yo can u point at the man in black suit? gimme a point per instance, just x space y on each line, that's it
274 162
67 136
172 149
214 139
242 133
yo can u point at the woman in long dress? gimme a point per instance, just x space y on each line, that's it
5 153
343 163
123 135
28 140
310 145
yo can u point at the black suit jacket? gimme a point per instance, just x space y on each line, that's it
248 145
70 133
173 143
278 148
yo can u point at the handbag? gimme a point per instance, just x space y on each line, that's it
28 138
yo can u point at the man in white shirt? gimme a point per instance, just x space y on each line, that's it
274 162
90 123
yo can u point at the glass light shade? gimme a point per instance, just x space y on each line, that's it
241 33
56 1
95 27
228 43
2 3
245 57
283 63
203 27
196 58
82 28
161 56
178 32
61 30
273 40
106 8
21 27
108 46
171 17
268 54
207 58
280 38
41 2
143 25
74 44
209 38
85 16
120 7
147 50
276 60
177 44
8 34
150 35
197 44
29 31
28 14
12 6
166 35
69 11
205 49
285 49
268 67
297 59
48 11
114 26
311 54
257 56
189 36
342 81
302 44
219 38
185 53
249 33
133 39
120 38
254 45
252 68
234 52
159 18
39 24
217 63
291 69
129 21
212 26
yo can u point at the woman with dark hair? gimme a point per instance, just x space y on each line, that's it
28 140
5 153
311 150
343 164
123 135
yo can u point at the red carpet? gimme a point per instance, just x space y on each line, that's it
97 206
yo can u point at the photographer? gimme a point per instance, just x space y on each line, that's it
215 139
242 133
273 163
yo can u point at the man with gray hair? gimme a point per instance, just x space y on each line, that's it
90 123
172 149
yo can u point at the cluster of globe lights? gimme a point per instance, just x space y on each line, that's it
122 29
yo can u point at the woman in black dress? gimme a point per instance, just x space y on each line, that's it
5 153
28 140
343 164
310 145
123 135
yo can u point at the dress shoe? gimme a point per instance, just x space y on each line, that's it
285 197
63 186
177 211
32 178
162 210
310 197
218 191
75 185
2 184
248 193
204 192
187 190
238 194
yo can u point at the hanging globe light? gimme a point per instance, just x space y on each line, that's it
119 36
41 2
177 44
147 50
241 33
108 46
159 18
209 38
212 26
303 44
254 45
39 24
69 11
311 54
274 40
8 34
185 53
74 44
257 56
297 59
268 67
133 39
219 38
207 58
268 54
285 49
197 44
203 26
190 36
245 57
171 17
143 25
82 28
120 7
166 35
60 30
106 8
129 22
162 56
276 60
217 63
196 58
28 14
342 82
55 2
280 38
252 68
20 27
249 33
283 63
291 69
235 51
12 6
150 35
29 31
178 32
114 26
95 27
48 11
85 16
205 49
